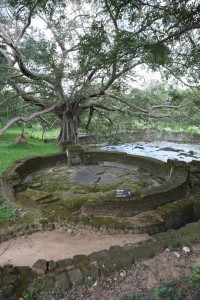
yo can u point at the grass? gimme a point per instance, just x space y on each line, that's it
169 291
35 131
6 212
10 152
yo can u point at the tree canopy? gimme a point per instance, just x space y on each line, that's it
67 57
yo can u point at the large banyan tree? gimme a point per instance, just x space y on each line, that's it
67 57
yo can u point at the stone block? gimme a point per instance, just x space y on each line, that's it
10 279
115 250
24 272
172 242
125 260
108 265
98 255
66 263
187 240
7 292
142 252
90 270
40 266
129 247
75 276
74 154
81 260
49 283
123 256
157 247
62 281
8 269
51 266
160 236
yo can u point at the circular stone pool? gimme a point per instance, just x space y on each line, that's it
54 194
55 189
72 186
108 174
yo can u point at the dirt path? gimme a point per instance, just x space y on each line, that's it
59 244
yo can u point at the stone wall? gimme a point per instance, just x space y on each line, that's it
172 190
13 176
67 273
139 161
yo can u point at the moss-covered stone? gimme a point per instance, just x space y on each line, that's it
141 252
98 255
108 265
62 281
75 276
81 260
90 270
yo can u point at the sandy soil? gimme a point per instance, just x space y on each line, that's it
59 244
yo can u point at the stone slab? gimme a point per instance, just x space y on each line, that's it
75 276
62 281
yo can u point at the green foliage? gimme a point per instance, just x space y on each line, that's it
42 4
92 43
6 212
28 296
74 189
194 278
86 282
157 55
90 50
57 291
169 291
117 127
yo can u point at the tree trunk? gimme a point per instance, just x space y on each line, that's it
69 129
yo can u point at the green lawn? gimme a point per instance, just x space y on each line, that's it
10 152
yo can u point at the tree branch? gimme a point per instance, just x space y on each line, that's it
125 102
181 80
25 97
25 119
89 118
104 115
112 16
27 24
168 106
96 105
18 58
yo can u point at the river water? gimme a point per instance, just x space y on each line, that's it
160 150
